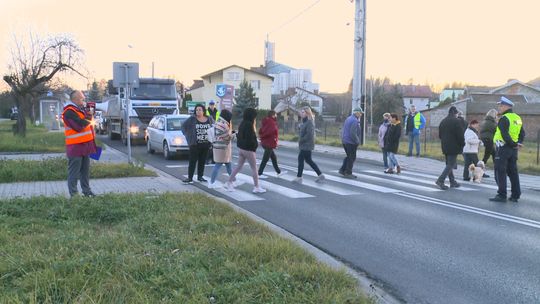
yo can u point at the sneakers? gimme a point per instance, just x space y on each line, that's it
298 180
282 173
485 176
441 185
202 179
321 178
89 194
263 176
214 185
499 198
187 181
455 184
389 171
229 186
398 169
349 175
513 199
258 189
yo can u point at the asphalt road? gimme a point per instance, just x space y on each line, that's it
421 244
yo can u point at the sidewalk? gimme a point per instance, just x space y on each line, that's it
419 164
162 183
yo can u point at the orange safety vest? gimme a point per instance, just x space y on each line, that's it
73 137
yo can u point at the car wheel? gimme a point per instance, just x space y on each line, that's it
166 152
149 147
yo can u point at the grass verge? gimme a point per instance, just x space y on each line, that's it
526 163
38 139
171 248
51 169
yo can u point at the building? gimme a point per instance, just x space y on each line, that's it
475 106
416 95
516 87
233 75
452 93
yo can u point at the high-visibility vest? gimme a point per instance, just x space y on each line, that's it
72 136
217 114
417 121
513 129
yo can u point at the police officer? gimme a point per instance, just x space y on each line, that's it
508 139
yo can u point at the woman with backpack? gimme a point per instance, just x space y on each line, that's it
221 145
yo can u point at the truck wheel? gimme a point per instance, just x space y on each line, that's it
166 152
149 147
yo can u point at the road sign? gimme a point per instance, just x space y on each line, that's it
125 73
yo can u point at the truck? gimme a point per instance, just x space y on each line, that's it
154 96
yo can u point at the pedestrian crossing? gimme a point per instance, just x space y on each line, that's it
367 181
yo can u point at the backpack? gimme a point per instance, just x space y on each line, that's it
211 134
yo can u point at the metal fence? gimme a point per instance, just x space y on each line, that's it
429 139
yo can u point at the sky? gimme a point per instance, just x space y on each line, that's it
482 42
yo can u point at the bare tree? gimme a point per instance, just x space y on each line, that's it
34 63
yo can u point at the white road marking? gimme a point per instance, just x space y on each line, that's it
422 181
288 192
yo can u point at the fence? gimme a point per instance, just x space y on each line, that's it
429 140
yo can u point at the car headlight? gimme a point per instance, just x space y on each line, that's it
134 129
177 140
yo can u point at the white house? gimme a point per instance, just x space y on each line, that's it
234 75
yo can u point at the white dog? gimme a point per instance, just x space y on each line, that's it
477 172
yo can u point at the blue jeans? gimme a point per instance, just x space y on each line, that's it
216 169
385 158
416 140
393 159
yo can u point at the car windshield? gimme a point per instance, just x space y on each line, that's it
175 124
150 91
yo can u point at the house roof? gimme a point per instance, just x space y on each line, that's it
478 89
197 83
513 82
273 67
309 92
234 65
494 98
416 91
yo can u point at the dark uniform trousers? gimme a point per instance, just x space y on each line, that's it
506 165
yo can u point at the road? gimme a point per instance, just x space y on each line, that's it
419 243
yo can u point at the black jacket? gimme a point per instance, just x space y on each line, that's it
452 135
391 138
246 137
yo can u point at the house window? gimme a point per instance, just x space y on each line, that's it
255 84
315 103
410 101
232 76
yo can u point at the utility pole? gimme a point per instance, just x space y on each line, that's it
358 95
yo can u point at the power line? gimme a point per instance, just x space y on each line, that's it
295 17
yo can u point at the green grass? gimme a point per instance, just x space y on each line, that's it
38 139
171 248
51 169
526 163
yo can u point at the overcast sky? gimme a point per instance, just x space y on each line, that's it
436 41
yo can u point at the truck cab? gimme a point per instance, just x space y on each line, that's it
154 96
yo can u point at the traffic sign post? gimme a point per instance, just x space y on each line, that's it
126 75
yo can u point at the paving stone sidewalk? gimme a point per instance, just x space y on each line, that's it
160 184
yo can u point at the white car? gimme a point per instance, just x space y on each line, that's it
164 134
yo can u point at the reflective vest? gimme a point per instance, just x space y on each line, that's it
417 121
73 137
514 129
217 114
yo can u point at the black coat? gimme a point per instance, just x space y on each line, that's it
391 138
452 135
